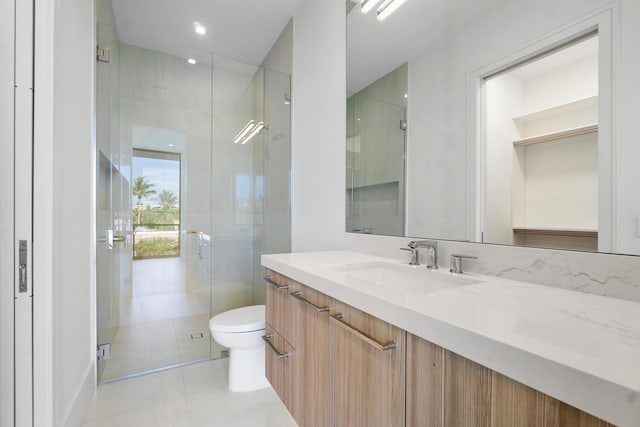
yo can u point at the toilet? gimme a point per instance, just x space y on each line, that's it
241 331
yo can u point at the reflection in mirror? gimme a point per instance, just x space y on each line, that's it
552 174
375 156
541 150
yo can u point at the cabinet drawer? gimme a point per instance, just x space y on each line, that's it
279 362
279 306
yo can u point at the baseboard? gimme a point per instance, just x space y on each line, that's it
76 414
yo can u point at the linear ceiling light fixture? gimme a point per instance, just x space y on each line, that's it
256 130
367 5
387 8
245 130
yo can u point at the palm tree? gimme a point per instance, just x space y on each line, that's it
167 199
142 188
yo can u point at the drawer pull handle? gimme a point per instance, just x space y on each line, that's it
382 347
269 344
298 296
269 279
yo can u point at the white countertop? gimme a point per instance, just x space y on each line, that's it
579 348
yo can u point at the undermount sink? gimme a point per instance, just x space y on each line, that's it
403 278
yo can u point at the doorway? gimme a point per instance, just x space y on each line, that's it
543 167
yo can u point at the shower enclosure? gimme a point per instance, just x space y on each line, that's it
198 208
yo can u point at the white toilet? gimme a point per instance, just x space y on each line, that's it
241 331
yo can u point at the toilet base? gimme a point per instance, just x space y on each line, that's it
247 369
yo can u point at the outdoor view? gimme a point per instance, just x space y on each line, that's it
155 191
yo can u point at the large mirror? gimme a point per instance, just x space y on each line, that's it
493 121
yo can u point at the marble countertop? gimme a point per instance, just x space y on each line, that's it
579 348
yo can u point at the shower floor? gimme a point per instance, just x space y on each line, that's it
164 320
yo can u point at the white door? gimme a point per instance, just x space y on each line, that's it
16 156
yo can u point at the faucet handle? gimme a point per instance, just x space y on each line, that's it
455 266
415 259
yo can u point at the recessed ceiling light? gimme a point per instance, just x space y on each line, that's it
171 145
191 61
200 29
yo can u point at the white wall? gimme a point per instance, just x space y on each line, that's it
318 161
503 180
73 211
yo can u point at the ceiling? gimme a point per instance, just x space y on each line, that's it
375 48
584 50
243 30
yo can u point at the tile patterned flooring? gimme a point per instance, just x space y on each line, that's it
167 302
191 396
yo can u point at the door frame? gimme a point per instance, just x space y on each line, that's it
7 49
601 21
44 398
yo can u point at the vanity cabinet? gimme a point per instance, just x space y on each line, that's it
278 305
369 369
280 356
445 389
279 365
313 398
334 365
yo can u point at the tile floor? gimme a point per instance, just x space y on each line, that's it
191 396
145 346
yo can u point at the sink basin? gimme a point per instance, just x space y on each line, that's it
403 278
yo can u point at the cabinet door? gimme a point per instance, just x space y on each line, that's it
516 405
313 379
467 392
425 367
369 370
279 362
279 307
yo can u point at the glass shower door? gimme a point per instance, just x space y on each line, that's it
153 178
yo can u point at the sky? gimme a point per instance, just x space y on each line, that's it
163 174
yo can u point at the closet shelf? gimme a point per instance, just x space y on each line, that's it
589 103
556 232
554 136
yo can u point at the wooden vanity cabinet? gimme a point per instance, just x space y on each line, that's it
445 389
425 368
515 404
280 359
280 355
369 369
313 384
334 365
278 305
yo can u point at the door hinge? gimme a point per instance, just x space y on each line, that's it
403 124
103 54
103 352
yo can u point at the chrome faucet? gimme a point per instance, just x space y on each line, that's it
456 263
415 255
432 251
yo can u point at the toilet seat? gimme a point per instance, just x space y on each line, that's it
244 319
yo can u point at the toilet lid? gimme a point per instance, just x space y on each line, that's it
244 319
